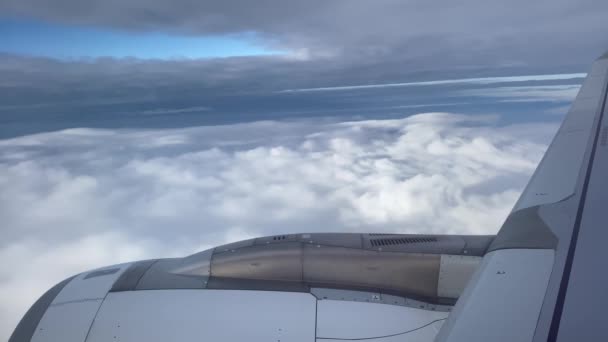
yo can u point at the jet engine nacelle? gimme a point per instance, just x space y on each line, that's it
300 287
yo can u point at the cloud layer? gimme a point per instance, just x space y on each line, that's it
466 33
41 95
81 198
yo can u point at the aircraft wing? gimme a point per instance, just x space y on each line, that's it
542 278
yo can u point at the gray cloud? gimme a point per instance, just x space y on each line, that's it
413 34
81 198
41 94
329 44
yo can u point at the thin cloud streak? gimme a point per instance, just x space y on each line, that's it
555 93
479 81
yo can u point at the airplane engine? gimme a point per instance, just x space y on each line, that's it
299 287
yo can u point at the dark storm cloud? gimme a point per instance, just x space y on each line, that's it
41 94
461 33
326 43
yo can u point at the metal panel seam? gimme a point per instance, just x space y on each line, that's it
316 315
96 313
384 336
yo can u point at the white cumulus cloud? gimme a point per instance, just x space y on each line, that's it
82 198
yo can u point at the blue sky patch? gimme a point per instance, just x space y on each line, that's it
37 38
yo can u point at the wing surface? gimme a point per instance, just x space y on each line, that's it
543 277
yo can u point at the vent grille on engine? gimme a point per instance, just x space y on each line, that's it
401 241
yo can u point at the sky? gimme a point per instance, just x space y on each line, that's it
56 40
144 129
